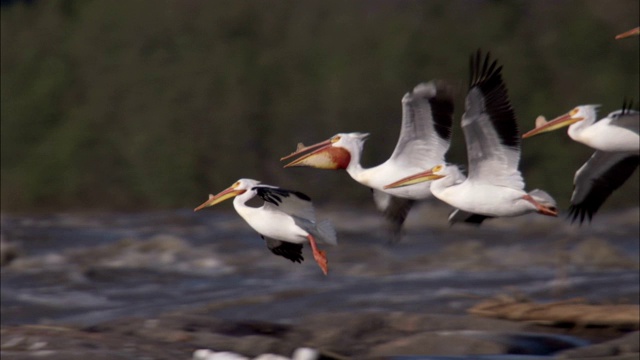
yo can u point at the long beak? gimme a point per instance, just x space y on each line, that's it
629 33
557 123
220 197
414 179
325 156
302 149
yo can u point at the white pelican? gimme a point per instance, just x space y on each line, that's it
495 187
427 113
286 219
617 132
626 34
616 140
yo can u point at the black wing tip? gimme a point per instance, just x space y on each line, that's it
396 216
483 70
476 219
602 188
394 226
439 95
395 230
288 251
472 219
442 109
273 195
435 90
302 196
627 106
294 258
580 213
444 89
486 76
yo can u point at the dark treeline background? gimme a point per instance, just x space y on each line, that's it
154 104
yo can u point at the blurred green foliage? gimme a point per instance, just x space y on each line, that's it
148 104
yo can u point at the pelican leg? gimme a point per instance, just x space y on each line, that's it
544 210
319 255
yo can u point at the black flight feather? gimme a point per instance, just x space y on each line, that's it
275 195
442 111
602 187
285 249
487 77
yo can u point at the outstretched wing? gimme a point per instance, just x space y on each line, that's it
395 210
427 114
594 182
285 249
290 202
490 128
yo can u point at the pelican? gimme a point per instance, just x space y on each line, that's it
494 187
286 219
626 34
427 113
616 140
617 132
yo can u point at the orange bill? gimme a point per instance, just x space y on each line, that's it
220 197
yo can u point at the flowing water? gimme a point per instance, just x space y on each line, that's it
88 268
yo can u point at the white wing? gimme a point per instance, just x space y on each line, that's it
427 114
290 202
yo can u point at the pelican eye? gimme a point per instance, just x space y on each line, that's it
335 139
237 183
436 168
574 112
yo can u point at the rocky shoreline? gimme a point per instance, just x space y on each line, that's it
178 335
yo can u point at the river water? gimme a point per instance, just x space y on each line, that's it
88 268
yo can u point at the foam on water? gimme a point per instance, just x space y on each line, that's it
149 263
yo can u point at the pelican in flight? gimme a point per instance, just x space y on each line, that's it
427 113
626 34
285 221
494 187
616 140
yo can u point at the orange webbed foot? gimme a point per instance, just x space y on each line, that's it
321 258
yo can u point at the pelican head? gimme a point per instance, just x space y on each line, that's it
332 154
435 173
239 187
626 34
579 113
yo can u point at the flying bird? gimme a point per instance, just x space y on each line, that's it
427 113
494 186
616 140
286 220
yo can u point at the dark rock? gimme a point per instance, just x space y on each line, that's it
8 252
628 345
